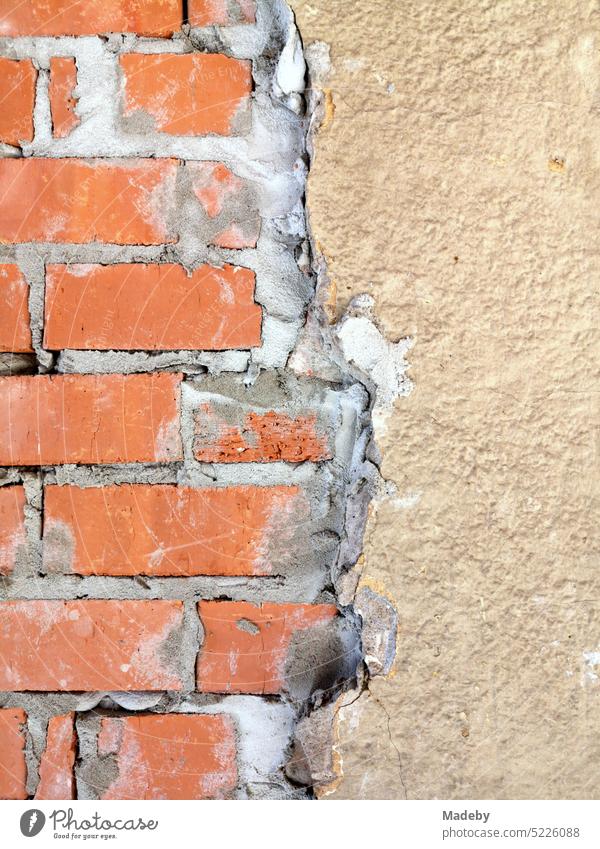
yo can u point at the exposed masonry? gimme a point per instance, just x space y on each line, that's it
284 743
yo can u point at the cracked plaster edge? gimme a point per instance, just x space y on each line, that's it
381 369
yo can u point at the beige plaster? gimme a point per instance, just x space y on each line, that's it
458 181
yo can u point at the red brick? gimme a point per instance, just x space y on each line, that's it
246 646
12 526
158 18
150 307
72 200
87 645
167 530
15 333
205 13
257 437
228 204
17 97
171 756
63 80
13 769
190 94
57 779
108 418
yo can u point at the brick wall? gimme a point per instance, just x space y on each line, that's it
175 499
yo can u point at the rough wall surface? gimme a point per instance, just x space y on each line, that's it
456 181
179 509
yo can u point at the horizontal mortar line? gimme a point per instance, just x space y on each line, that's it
254 590
155 583
232 157
221 474
54 45
48 41
264 598
153 352
103 247
131 367
189 369
173 253
195 701
124 468
186 148
108 469
188 366
56 582
210 697
165 250
136 354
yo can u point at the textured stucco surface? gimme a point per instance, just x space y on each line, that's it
458 182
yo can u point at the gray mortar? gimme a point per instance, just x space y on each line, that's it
321 662
35 737
136 362
30 561
290 278
9 477
247 626
93 773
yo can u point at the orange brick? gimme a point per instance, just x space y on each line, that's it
205 13
15 333
57 780
13 769
233 221
12 526
246 646
166 530
17 97
150 307
71 200
160 18
171 756
257 437
190 94
63 80
80 418
88 645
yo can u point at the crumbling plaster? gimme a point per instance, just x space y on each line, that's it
455 180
